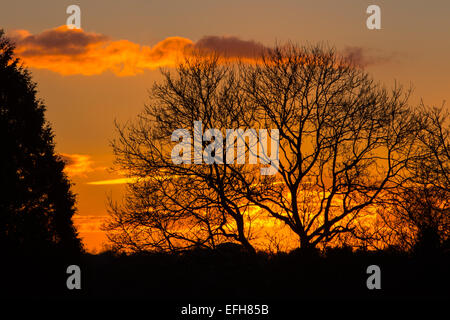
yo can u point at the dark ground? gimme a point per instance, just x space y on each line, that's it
218 275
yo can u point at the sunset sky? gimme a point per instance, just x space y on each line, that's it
88 78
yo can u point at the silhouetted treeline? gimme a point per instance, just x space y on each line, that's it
231 273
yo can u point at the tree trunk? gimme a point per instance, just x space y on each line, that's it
242 238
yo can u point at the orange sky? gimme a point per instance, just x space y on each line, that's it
88 78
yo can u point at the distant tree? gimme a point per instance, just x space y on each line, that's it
36 204
417 213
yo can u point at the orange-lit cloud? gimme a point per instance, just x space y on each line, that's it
77 164
74 51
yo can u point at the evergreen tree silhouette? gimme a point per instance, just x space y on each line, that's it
36 203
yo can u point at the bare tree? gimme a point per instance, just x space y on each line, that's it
176 206
344 139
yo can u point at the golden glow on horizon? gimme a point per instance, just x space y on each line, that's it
90 232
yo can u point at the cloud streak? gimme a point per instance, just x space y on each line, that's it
364 57
113 181
231 47
85 223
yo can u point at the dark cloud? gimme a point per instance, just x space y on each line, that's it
231 46
58 41
235 47
365 57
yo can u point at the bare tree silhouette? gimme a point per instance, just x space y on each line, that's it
344 140
177 206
